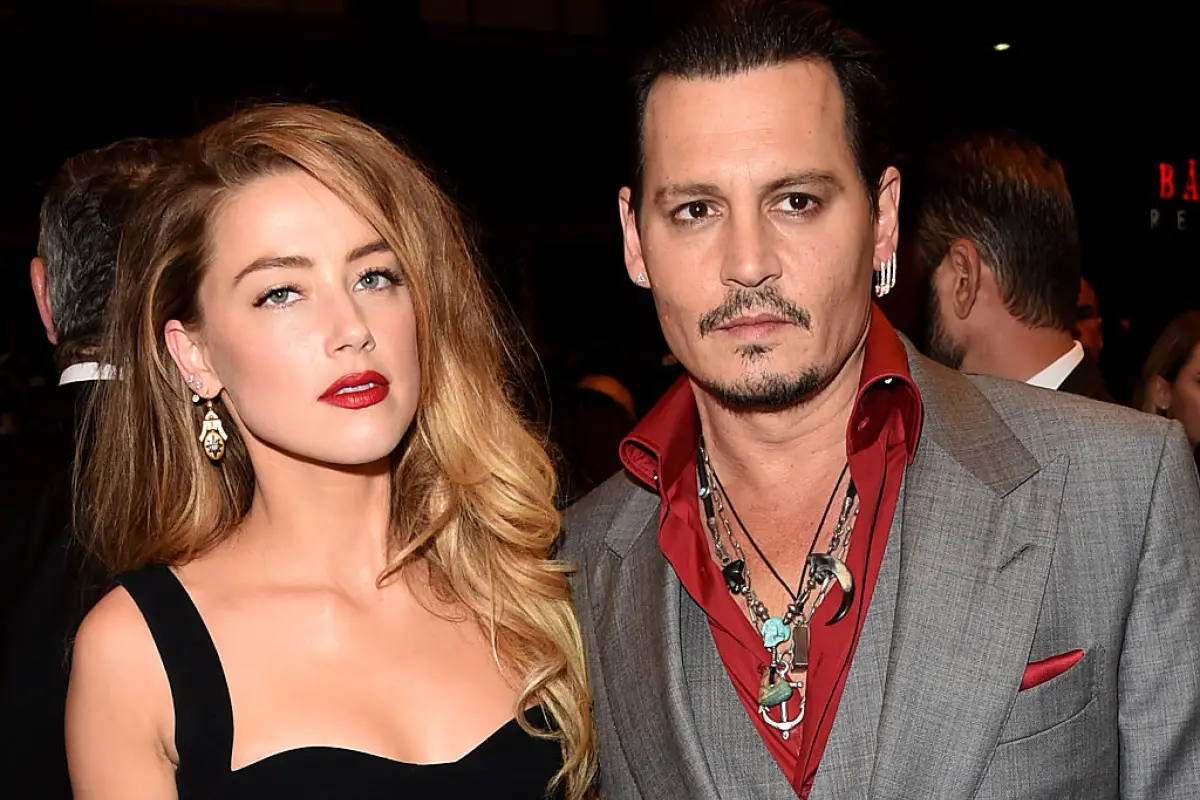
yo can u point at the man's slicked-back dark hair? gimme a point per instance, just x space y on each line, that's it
733 37
81 218
1005 195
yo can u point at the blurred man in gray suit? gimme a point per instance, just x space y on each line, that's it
833 567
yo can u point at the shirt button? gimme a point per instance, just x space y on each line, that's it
862 423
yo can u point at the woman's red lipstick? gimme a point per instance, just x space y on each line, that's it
358 390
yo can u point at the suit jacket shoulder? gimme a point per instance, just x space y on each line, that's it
1050 423
612 514
968 415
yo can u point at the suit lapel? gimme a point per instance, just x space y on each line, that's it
643 662
979 524
741 766
845 768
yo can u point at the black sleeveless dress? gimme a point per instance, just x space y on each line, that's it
510 764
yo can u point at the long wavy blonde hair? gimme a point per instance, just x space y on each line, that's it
473 489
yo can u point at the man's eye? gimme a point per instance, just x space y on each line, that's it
799 204
694 211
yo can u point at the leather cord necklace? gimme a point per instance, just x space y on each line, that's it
820 527
786 637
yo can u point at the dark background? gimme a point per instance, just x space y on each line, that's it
521 107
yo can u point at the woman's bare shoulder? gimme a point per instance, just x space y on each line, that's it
114 635
119 723
115 661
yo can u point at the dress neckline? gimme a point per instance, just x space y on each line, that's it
536 717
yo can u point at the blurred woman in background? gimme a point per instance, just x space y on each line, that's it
1170 383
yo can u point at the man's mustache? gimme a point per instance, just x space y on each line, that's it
741 301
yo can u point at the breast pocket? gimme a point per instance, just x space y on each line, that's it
1054 702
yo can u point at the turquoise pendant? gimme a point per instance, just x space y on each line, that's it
775 633
773 690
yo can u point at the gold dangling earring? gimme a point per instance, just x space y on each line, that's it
212 435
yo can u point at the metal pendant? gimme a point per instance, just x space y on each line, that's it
735 576
823 566
800 646
784 724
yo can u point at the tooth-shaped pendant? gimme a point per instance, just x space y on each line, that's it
824 566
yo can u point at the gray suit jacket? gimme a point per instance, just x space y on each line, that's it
1031 523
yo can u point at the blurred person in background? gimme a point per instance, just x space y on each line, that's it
47 585
1089 330
996 237
1170 383
590 418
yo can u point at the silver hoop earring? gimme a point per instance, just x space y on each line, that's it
885 276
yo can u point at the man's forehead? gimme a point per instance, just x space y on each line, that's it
789 111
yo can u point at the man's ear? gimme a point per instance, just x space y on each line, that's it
887 222
635 264
966 266
41 296
191 357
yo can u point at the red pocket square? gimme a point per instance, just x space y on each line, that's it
1038 672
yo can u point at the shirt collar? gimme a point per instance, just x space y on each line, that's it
87 371
663 444
1053 375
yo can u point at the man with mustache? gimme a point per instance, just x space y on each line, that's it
832 566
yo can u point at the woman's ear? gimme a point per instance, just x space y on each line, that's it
191 357
1160 394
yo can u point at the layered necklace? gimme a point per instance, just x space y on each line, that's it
785 636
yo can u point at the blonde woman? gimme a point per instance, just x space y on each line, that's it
330 525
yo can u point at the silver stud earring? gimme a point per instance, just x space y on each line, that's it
885 276
197 386
641 278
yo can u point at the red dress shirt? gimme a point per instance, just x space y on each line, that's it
880 440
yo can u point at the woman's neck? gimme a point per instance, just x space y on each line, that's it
317 524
